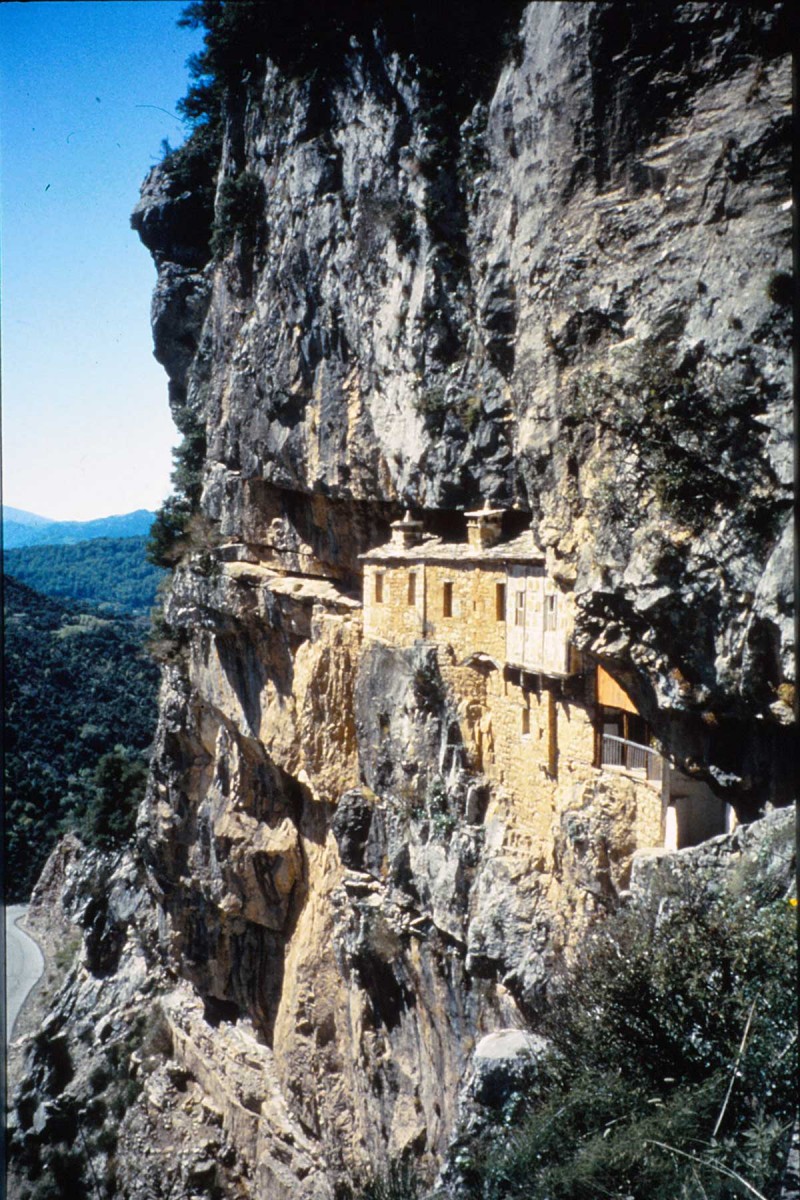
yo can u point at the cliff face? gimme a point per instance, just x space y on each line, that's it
576 306
572 301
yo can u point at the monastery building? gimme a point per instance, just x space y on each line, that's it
534 711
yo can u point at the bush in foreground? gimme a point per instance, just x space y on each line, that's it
674 1060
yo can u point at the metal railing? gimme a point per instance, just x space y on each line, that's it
631 756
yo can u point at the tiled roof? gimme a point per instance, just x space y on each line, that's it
433 549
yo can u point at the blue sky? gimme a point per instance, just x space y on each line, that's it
86 425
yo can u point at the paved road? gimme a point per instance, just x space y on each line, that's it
24 965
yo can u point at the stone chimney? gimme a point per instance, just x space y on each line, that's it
406 533
484 527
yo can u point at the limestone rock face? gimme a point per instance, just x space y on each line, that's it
565 292
357 364
602 341
573 303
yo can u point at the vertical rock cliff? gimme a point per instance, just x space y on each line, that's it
561 285
540 259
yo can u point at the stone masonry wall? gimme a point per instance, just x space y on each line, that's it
491 708
473 626
528 742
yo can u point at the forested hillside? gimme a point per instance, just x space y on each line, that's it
80 697
106 571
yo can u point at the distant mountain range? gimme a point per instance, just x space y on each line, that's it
20 517
22 528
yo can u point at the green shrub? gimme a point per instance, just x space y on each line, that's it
403 228
471 409
164 546
429 692
431 400
189 456
165 642
123 1096
673 1064
167 542
110 1179
399 1182
240 207
65 953
47 1188
95 1113
106 1140
116 791
157 1039
192 167
436 399
442 820
66 1168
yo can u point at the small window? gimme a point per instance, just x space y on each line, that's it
550 612
526 722
379 587
447 600
500 601
412 588
519 608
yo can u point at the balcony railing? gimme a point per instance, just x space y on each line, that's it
628 756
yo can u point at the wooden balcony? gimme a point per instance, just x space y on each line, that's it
642 762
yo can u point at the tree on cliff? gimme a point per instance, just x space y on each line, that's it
114 794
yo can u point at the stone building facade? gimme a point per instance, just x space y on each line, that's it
535 715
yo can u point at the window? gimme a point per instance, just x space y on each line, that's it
412 588
526 722
447 600
519 608
550 612
500 601
379 587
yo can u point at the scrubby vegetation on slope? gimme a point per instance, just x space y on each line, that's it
171 528
80 699
674 1057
